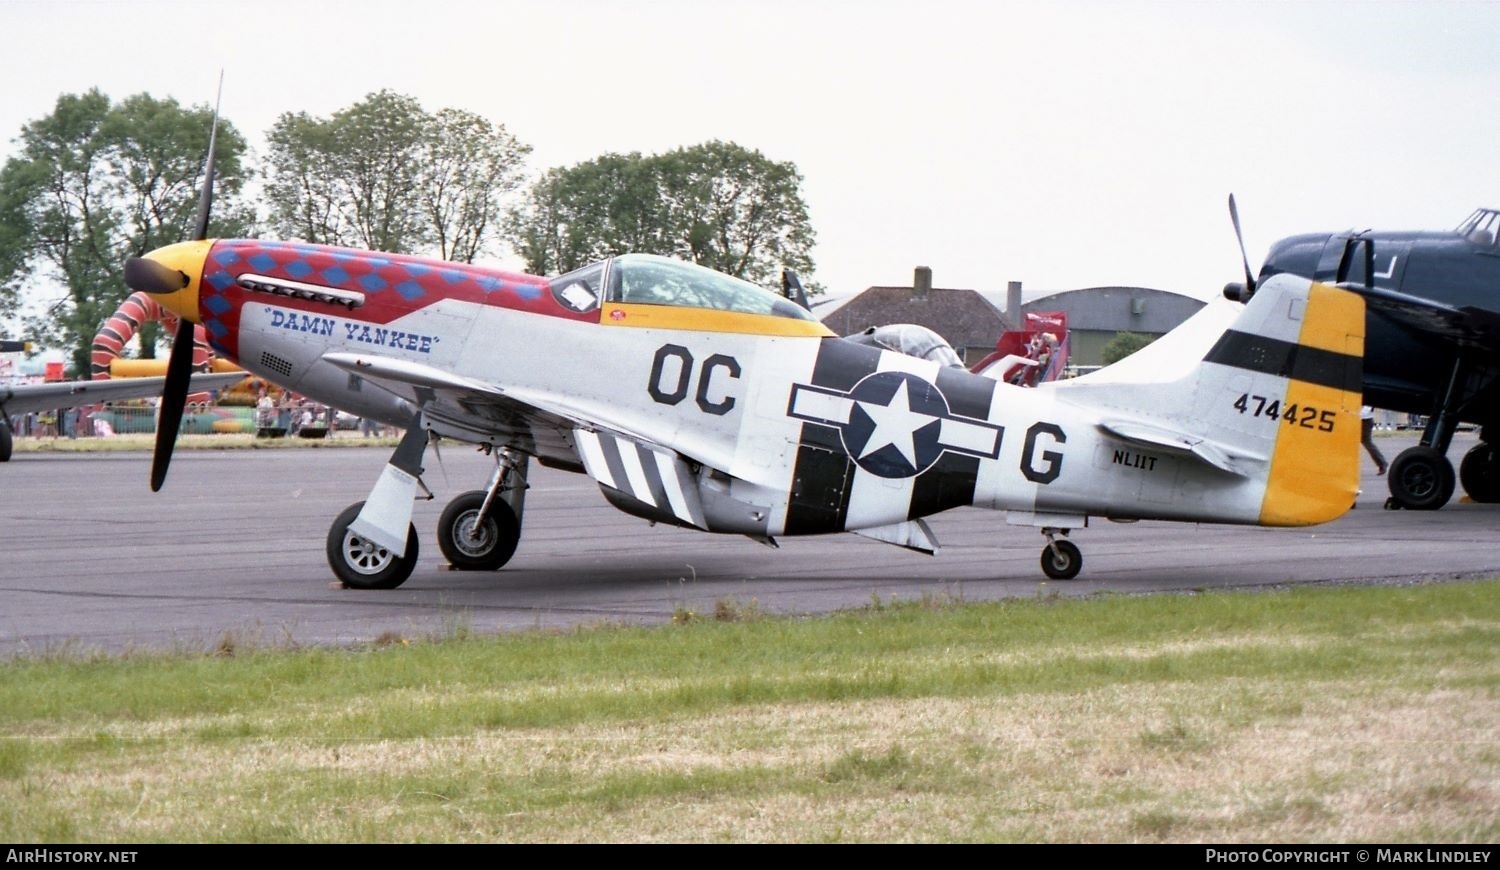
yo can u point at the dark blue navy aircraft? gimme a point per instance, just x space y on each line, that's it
1432 339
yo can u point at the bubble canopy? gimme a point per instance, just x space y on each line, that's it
646 279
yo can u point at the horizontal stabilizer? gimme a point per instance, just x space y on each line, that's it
1201 449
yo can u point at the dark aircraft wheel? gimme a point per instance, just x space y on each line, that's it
4 442
1422 479
1479 472
485 548
363 564
1063 564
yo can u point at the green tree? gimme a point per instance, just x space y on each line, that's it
301 189
377 144
96 183
1122 345
741 213
469 167
717 204
387 175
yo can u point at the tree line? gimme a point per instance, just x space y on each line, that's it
98 181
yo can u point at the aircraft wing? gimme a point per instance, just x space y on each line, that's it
1473 329
657 476
482 412
25 398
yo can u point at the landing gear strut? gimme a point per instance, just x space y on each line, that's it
372 544
1061 559
479 530
1421 478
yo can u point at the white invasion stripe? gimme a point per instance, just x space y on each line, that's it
821 406
967 436
593 457
640 486
877 501
927 370
673 485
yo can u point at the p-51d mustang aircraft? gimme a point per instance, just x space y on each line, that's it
701 400
697 399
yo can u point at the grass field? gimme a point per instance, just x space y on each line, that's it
1328 715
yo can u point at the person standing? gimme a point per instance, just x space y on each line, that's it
1366 430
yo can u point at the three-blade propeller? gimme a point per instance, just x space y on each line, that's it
152 277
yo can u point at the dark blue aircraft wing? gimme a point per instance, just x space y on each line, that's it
1475 330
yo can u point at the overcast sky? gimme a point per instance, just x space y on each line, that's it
1065 145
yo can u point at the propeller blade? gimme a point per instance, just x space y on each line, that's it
173 399
1234 218
174 392
149 276
206 196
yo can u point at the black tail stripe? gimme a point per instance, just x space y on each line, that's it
1272 356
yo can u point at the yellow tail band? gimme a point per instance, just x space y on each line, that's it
1314 473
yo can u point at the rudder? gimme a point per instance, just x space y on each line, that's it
1311 335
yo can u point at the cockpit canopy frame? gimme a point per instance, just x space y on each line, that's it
647 279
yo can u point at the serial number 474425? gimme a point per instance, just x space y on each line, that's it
1305 416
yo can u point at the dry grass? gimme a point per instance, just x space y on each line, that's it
1115 764
1396 740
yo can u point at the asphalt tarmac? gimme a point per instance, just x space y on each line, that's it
232 551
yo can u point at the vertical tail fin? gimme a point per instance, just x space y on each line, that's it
1272 406
1304 345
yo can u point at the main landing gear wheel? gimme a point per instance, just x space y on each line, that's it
1061 560
1421 479
4 442
363 564
483 547
1479 472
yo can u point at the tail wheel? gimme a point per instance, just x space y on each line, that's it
364 564
1479 472
1062 560
1422 479
474 546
